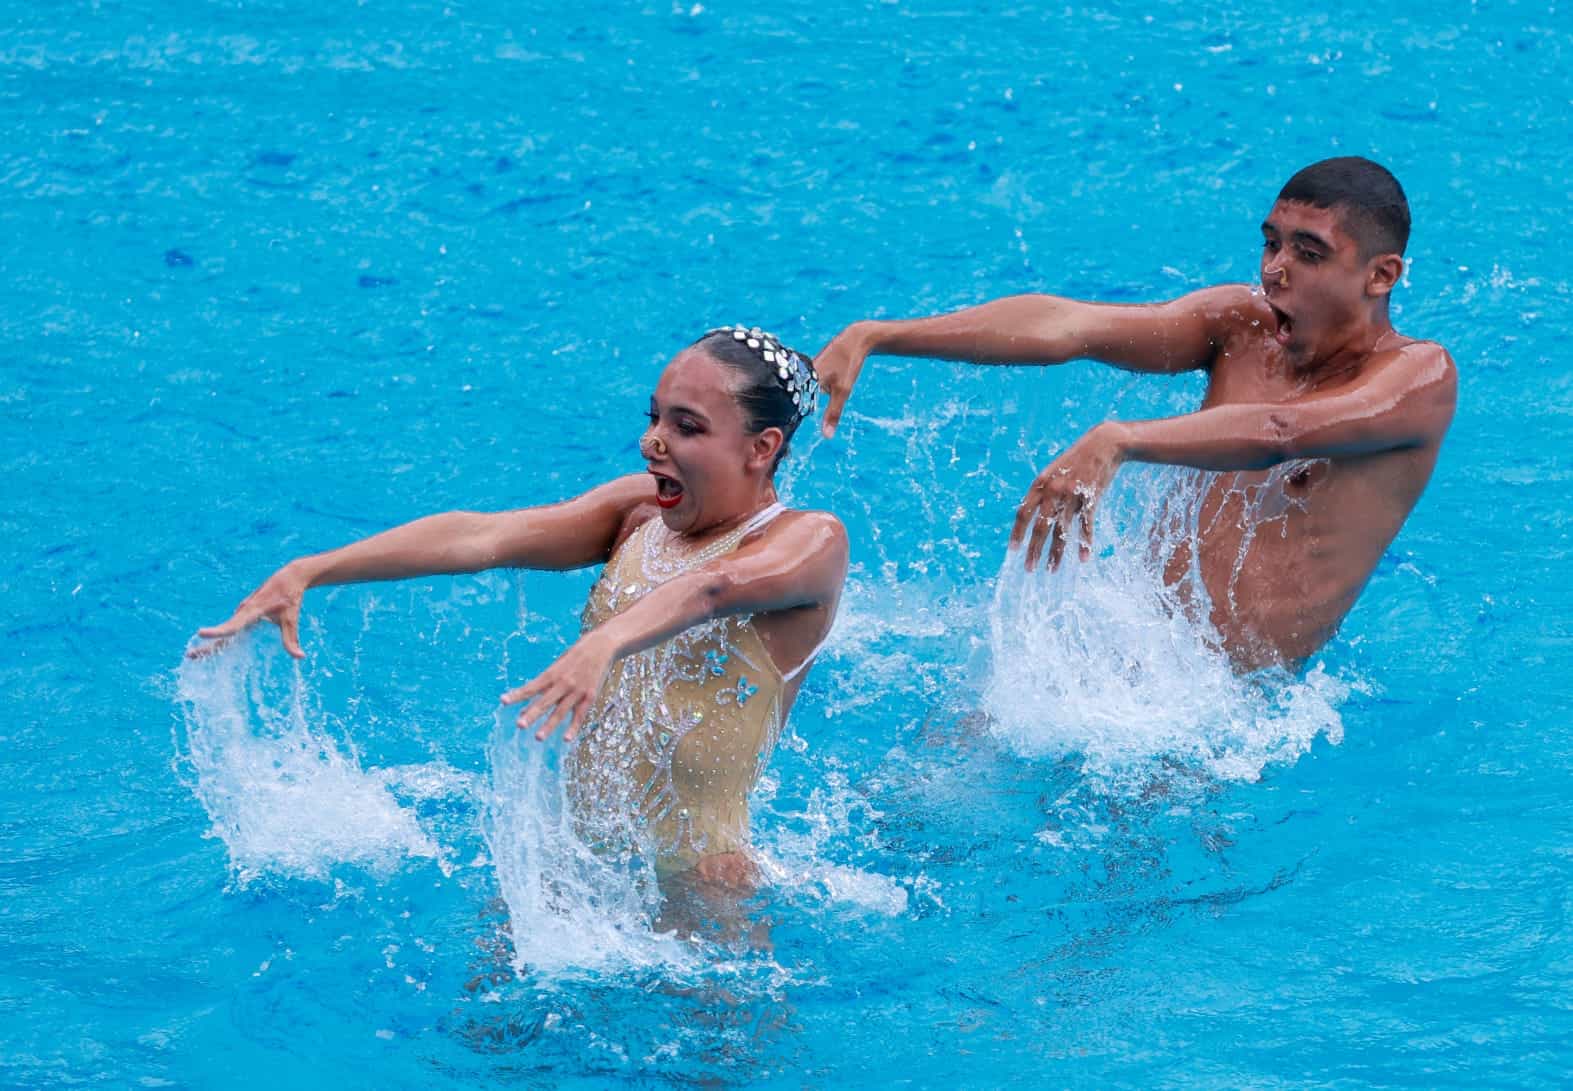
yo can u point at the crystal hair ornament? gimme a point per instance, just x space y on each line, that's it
793 373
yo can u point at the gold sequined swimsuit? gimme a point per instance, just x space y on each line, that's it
679 732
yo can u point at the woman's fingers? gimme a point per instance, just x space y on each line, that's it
549 704
580 715
562 712
288 622
523 693
239 620
534 694
534 706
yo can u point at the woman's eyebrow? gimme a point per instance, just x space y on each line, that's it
696 414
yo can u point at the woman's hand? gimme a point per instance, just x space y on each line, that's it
1064 497
277 600
565 691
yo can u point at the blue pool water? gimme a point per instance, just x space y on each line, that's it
279 275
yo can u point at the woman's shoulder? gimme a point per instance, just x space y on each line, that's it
634 496
812 517
822 527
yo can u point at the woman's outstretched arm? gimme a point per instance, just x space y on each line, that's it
571 534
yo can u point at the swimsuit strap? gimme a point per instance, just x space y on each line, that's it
763 517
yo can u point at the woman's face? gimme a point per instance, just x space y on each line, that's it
706 465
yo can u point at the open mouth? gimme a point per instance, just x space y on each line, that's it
668 490
1285 325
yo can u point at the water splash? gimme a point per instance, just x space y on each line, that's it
290 797
1102 661
287 798
290 800
802 850
569 908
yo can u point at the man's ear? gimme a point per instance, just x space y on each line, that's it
764 447
1383 273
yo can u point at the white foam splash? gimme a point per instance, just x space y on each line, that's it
569 909
796 854
287 799
1098 660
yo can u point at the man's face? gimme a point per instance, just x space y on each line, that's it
1316 280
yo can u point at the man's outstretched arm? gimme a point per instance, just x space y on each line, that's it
1407 401
1163 338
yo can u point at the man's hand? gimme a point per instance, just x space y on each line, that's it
837 366
1064 498
564 692
277 600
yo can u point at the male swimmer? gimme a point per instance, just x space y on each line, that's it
713 602
1306 375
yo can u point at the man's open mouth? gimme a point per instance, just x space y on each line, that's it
668 490
1285 325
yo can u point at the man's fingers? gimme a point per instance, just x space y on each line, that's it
1085 519
1042 523
289 631
838 401
1059 534
1024 516
1065 520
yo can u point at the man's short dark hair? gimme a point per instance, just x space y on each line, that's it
1372 203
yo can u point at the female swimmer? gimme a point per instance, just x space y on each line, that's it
713 602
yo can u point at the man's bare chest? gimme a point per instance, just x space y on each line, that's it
1255 376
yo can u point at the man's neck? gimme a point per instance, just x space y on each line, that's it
1350 353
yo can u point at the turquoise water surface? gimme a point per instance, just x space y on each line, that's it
280 275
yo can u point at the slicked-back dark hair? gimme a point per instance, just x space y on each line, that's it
1372 203
764 401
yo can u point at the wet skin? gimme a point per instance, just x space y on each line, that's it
1322 422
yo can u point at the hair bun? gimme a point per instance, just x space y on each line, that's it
793 372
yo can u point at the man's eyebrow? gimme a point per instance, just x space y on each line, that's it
1312 238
